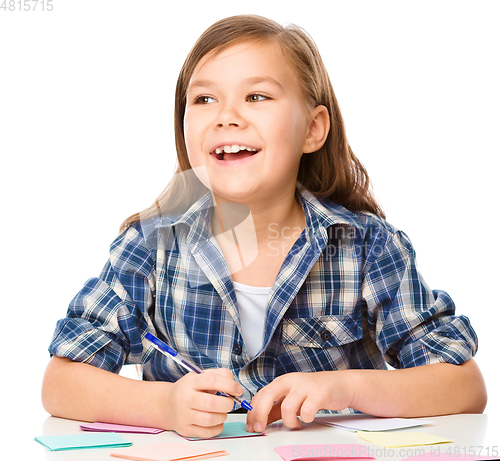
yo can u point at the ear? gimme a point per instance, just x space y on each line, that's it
319 128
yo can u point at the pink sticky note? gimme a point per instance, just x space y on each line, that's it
168 452
322 452
106 427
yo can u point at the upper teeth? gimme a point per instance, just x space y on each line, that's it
233 149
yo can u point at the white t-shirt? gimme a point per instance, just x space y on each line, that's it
252 302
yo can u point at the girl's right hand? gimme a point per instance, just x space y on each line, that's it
192 408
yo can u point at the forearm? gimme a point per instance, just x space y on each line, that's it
429 390
83 392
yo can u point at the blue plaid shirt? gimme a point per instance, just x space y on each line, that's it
348 295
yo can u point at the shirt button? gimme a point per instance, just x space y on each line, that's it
237 349
325 335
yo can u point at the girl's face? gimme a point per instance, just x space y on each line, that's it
247 122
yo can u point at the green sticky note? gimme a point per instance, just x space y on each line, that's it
80 441
232 430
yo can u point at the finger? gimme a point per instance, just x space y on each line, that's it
258 417
309 409
192 429
218 379
207 419
290 410
274 414
206 432
211 403
263 403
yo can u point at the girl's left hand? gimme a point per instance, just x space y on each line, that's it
299 394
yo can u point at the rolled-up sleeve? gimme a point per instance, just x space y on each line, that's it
108 318
412 325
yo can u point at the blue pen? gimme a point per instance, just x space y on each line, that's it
173 354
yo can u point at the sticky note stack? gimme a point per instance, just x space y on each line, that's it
106 427
401 439
168 452
231 431
80 441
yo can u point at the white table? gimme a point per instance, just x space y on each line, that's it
469 432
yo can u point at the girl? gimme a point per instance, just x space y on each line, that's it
266 262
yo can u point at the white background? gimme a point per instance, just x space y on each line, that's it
86 139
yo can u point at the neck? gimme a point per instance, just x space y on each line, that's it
269 219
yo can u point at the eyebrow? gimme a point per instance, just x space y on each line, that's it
248 81
201 84
256 80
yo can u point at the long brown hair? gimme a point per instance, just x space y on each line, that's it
332 172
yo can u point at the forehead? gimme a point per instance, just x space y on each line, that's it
249 60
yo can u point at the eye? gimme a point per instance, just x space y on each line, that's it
256 97
204 100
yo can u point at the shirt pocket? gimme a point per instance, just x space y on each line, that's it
323 331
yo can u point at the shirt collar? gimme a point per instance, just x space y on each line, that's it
319 215
323 212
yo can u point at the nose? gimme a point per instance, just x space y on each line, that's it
229 116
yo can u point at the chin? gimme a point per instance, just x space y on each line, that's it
235 194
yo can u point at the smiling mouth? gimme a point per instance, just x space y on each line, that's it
234 152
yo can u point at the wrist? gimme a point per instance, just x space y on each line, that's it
157 407
355 388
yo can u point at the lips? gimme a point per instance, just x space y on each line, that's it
234 151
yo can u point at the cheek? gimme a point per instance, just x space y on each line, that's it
190 137
288 129
195 154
